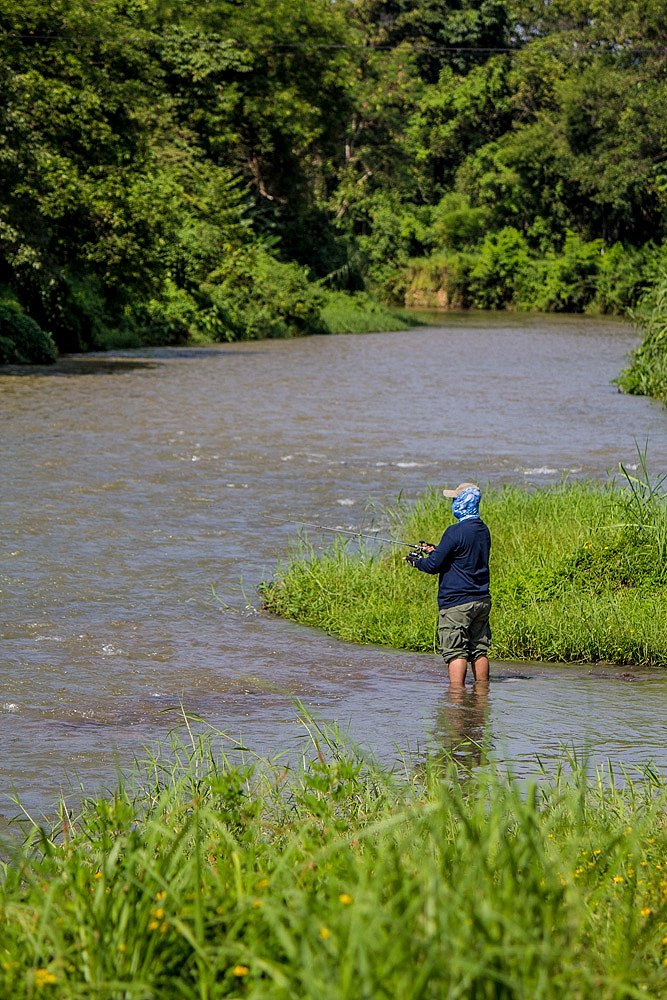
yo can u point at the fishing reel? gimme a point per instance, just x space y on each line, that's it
418 550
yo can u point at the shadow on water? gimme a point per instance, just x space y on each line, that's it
74 367
120 363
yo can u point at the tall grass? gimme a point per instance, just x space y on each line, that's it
333 880
344 313
579 573
647 373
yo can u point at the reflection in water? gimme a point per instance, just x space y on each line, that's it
460 725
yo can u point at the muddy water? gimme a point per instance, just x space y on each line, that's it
141 502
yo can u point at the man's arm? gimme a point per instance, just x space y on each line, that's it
438 559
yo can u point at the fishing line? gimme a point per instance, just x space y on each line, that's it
348 531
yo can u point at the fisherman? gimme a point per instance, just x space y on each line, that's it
464 600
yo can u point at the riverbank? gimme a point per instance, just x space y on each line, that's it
647 372
209 873
578 575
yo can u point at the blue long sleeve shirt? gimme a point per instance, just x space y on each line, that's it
461 560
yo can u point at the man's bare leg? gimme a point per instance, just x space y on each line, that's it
480 669
457 671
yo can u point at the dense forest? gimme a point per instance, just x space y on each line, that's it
226 169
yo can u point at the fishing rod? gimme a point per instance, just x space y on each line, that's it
418 548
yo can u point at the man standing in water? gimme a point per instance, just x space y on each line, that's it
461 560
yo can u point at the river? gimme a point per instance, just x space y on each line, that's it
145 495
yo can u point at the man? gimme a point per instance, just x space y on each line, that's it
461 560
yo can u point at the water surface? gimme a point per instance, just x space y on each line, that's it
145 495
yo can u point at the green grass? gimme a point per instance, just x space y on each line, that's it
647 373
343 313
334 880
579 574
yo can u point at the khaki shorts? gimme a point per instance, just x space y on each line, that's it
464 630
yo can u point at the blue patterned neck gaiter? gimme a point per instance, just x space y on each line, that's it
466 504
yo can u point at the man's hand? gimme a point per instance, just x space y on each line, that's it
412 558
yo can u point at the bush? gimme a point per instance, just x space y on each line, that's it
22 341
647 374
170 319
623 273
395 233
568 278
496 273
253 296
456 224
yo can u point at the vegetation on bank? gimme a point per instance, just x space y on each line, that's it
647 373
333 880
172 172
579 574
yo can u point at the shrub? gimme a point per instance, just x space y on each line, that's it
569 277
647 374
253 295
22 341
496 273
456 224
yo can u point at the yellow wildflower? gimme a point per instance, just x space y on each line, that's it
325 933
345 898
263 883
240 970
618 879
43 977
158 912
646 911
153 925
160 895
256 904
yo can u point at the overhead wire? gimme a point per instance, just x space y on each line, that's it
611 45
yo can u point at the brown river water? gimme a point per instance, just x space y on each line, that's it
145 494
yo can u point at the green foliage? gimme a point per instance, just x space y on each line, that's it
343 313
647 374
508 270
569 278
21 340
440 281
149 149
208 872
455 224
578 574
497 270
253 295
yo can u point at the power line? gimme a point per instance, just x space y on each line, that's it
608 45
